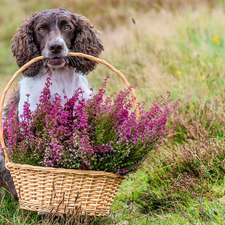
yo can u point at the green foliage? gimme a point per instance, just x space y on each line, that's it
10 212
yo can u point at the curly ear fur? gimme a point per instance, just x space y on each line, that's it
87 42
25 49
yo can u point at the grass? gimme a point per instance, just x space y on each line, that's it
162 46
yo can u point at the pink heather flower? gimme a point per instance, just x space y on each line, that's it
101 133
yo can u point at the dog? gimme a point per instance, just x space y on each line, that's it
52 33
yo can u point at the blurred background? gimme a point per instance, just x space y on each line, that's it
169 45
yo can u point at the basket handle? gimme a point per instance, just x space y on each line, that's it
69 54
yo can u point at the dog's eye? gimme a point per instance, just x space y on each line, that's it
40 29
67 27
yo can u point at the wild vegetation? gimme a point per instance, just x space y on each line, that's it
175 46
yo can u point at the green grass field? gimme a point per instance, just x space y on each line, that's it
161 46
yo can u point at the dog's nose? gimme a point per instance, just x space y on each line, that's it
55 47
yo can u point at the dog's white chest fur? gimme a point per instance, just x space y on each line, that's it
64 82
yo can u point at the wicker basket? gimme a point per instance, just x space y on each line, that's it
52 190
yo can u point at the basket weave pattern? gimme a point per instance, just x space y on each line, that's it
47 189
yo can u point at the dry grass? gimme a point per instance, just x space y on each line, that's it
139 50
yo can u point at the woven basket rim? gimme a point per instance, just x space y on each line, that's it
63 170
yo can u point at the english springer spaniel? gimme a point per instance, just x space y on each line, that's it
51 33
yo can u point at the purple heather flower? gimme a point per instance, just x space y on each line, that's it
101 133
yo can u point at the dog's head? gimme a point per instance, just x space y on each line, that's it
53 33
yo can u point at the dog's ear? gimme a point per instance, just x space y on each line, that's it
24 47
86 41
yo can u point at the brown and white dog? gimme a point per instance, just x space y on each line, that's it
52 33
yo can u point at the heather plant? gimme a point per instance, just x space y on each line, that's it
102 133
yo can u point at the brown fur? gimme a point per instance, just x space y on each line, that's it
85 40
12 101
25 49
